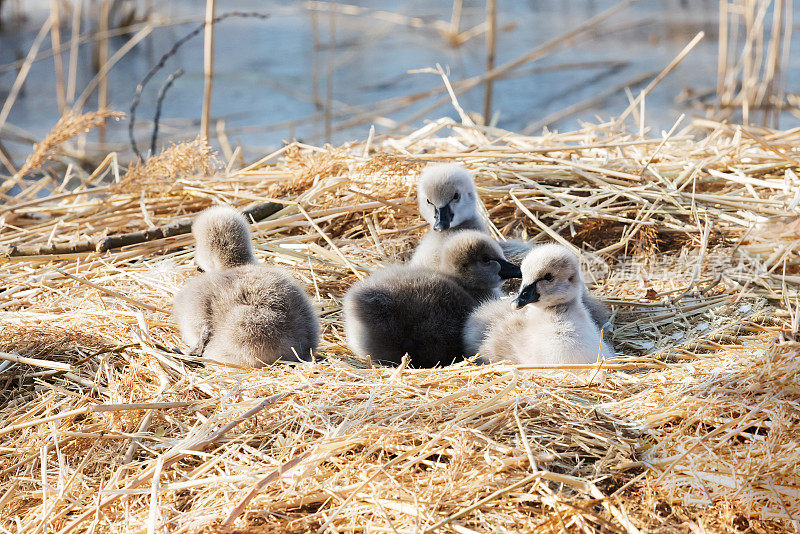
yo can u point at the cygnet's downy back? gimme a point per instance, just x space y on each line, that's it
406 309
548 323
240 311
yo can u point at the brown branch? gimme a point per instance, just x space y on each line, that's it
254 213
12 251
132 238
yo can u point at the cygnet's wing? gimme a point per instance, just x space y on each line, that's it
428 252
481 320
507 331
597 310
262 316
192 307
250 315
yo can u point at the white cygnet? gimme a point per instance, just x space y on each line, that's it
547 324
240 311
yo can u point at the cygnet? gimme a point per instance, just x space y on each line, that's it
415 310
547 324
240 311
448 201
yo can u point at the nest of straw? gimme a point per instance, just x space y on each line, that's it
691 239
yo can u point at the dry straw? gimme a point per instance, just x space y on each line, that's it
691 239
70 125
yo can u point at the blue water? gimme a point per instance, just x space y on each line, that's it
264 69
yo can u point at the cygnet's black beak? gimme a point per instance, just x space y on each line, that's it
444 216
527 295
509 270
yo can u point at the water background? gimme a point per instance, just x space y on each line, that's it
264 83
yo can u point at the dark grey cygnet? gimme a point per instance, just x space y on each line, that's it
239 311
419 311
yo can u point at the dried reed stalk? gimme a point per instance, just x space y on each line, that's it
67 127
753 57
491 48
102 59
208 69
55 38
23 71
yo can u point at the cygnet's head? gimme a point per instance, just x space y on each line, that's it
551 276
447 196
223 239
476 260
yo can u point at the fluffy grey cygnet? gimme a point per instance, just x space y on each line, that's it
419 311
448 200
548 323
240 311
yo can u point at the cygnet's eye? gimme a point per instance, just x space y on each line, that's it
486 259
456 196
548 276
